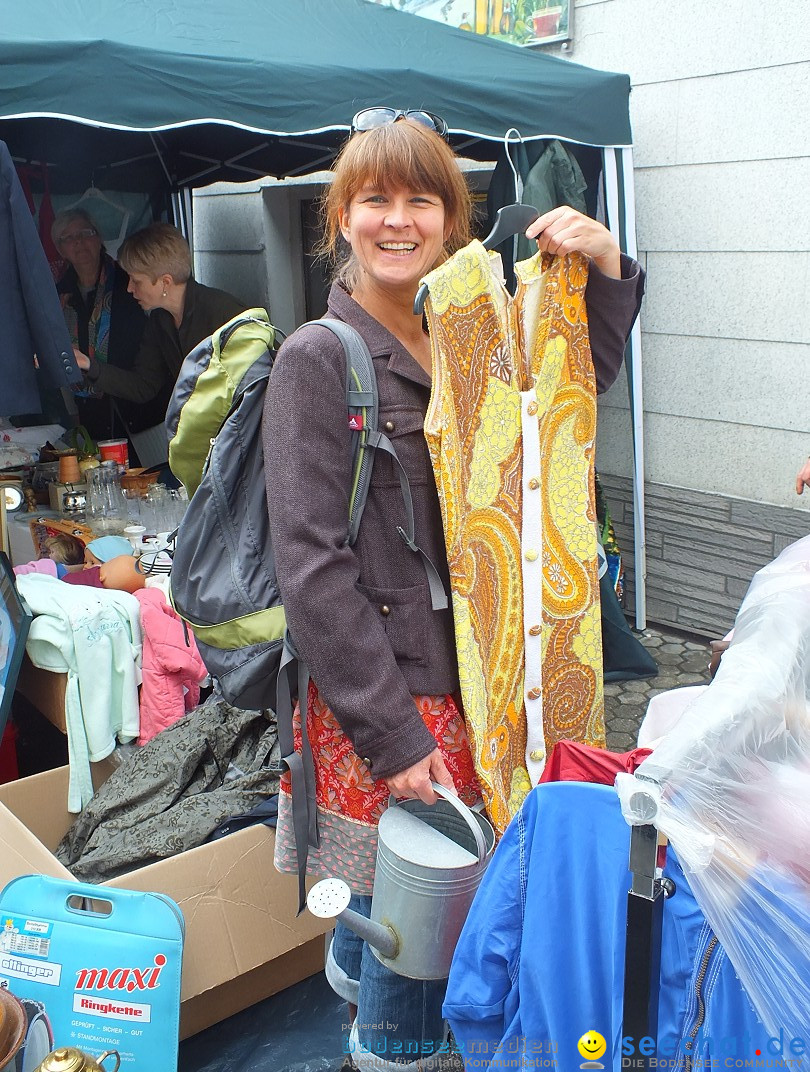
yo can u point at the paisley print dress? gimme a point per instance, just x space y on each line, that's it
511 428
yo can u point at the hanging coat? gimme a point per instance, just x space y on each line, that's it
511 428
30 312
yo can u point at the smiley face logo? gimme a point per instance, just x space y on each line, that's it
592 1046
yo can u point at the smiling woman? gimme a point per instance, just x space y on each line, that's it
382 711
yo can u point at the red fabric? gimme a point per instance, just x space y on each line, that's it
91 577
46 216
346 786
572 761
9 771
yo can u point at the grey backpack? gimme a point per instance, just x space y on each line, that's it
223 578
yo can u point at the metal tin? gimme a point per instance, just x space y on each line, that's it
74 502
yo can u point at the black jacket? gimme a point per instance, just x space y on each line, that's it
30 314
164 346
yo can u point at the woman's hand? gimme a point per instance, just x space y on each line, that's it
82 360
414 782
564 230
803 477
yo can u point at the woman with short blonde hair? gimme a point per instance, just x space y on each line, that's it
156 250
182 312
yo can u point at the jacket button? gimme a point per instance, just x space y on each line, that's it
533 694
531 409
534 483
530 555
385 610
389 426
367 761
534 631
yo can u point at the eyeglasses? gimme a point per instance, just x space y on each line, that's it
370 118
77 236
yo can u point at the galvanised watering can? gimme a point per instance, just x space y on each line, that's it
430 861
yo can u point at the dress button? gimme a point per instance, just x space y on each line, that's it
530 556
534 483
534 631
536 755
385 609
531 409
533 694
389 426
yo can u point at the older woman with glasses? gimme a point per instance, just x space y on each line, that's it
103 319
382 712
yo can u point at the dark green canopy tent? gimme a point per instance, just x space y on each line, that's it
171 94
190 91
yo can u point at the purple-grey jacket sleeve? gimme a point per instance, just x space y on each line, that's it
339 635
613 306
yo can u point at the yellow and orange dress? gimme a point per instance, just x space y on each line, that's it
511 428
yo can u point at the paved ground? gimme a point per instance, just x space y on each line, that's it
681 661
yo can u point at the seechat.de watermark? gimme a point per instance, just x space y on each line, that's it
707 1051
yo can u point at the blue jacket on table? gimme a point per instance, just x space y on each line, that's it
540 961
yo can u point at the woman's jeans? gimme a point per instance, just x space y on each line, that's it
398 1019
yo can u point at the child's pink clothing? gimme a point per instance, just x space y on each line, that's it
172 666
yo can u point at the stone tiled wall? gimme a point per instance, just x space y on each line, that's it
702 551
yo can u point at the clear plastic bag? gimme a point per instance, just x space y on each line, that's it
730 787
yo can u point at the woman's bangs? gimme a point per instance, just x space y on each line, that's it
401 159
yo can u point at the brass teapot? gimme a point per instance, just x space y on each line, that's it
69 1059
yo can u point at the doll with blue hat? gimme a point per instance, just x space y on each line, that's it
102 549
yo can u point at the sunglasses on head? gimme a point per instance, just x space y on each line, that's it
370 118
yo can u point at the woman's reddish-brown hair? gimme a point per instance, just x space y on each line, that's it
402 154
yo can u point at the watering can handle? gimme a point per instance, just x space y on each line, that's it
466 814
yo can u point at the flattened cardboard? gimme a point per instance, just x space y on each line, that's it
239 911
45 690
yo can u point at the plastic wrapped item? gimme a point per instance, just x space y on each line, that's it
730 787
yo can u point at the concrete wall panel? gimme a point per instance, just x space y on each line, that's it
734 207
691 39
749 462
760 296
731 380
749 115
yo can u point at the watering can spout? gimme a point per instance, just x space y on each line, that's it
330 897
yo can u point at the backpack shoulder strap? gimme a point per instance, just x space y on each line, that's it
363 403
363 406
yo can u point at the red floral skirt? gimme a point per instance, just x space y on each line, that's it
350 800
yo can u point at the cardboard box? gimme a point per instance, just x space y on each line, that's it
45 690
243 941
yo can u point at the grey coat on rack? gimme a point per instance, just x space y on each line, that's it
31 319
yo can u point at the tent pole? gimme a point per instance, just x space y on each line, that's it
637 405
620 198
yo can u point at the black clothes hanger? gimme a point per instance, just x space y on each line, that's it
511 220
